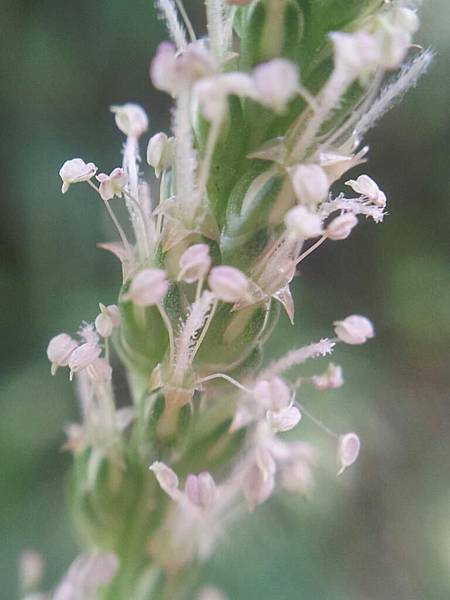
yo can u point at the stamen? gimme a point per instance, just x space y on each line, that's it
226 378
120 231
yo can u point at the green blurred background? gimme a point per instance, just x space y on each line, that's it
382 531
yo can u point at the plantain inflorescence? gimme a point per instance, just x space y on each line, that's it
269 111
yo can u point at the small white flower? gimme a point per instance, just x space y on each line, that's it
82 357
367 187
167 479
356 52
354 329
349 446
201 490
331 379
310 183
107 320
171 71
273 394
148 287
195 263
113 184
59 350
195 62
341 226
131 119
75 171
284 419
160 152
276 83
228 284
302 223
212 92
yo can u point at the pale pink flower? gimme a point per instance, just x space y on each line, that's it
348 450
195 263
107 320
367 187
131 119
160 152
228 284
167 479
276 83
59 350
75 171
148 287
113 184
302 223
201 490
82 357
310 183
341 227
354 329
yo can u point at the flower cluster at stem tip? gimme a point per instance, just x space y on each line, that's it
242 192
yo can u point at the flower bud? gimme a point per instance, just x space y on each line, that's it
228 284
130 119
167 479
201 490
273 394
75 171
284 419
302 223
348 450
331 379
82 357
341 227
160 152
354 329
195 263
310 183
59 350
107 320
148 287
113 184
367 187
276 83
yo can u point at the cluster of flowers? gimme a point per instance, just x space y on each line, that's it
178 244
